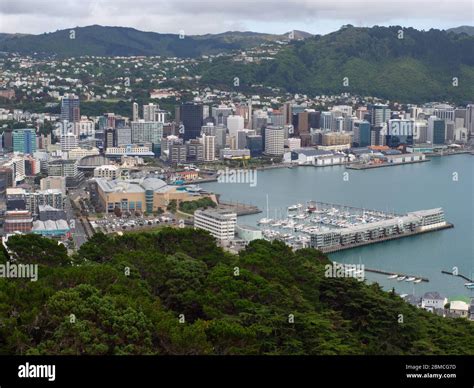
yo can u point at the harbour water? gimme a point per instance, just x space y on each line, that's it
446 182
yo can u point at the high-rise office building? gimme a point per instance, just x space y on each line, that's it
287 113
469 122
191 115
400 132
150 112
445 112
274 141
255 145
109 138
135 113
123 136
70 108
326 121
235 124
361 133
436 130
194 150
24 140
220 114
379 114
146 132
209 148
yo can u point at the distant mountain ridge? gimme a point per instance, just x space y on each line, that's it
462 30
124 41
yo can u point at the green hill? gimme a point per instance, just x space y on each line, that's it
122 41
419 67
176 292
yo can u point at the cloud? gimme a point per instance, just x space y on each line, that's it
211 16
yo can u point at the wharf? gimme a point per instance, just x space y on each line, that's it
383 239
240 209
356 166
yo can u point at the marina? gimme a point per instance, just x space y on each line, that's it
330 227
415 186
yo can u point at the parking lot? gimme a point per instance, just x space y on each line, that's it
110 223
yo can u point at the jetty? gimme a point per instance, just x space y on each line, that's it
383 272
458 275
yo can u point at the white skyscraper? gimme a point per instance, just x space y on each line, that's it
234 124
209 143
274 141
135 111
150 111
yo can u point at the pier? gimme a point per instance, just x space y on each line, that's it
383 272
382 239
458 275
356 166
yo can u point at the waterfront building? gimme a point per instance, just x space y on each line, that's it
274 141
255 145
147 194
418 221
436 130
400 132
248 233
219 224
361 133
227 153
313 157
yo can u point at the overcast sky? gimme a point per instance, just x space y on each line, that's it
212 16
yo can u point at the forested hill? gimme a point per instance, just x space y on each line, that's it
417 66
176 292
124 41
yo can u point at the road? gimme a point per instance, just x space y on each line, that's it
77 230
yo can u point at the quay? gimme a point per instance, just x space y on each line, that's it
356 166
239 208
338 248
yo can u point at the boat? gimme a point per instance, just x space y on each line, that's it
410 279
400 278
311 207
469 286
392 276
264 221
417 281
292 208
